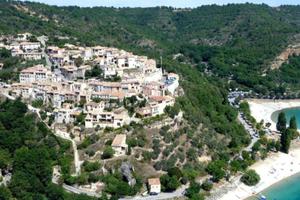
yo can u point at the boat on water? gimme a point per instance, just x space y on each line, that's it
262 197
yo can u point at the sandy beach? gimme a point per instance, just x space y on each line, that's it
275 168
262 109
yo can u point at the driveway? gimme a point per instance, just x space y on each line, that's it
164 195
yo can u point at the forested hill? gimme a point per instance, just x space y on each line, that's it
212 44
207 46
236 40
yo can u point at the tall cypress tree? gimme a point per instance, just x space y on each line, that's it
293 123
281 122
285 140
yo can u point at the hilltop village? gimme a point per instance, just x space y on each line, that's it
83 92
101 82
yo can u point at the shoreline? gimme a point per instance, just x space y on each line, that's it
275 168
263 109
279 182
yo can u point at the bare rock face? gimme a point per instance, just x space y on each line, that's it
291 50
126 170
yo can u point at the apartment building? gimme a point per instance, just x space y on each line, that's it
36 73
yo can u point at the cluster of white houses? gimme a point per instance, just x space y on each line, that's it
100 100
66 87
22 46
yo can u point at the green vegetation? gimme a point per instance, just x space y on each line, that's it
216 169
281 122
37 103
207 185
12 65
235 42
91 139
30 150
118 187
91 166
287 134
171 180
245 109
95 72
108 152
250 177
172 111
287 75
193 192
285 139
293 123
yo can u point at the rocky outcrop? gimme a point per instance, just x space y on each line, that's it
126 170
284 56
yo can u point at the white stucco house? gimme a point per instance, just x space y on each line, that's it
119 145
154 185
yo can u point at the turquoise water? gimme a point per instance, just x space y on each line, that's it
289 113
288 189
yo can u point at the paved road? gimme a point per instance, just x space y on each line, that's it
42 40
80 191
161 196
77 161
250 130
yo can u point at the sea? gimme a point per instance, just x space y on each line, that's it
289 113
287 189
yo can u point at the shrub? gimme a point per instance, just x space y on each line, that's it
91 166
193 190
207 185
250 178
216 169
37 103
90 152
108 153
169 183
147 155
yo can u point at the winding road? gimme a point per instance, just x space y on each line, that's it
161 196
250 130
77 161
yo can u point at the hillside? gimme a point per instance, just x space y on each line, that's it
212 48
235 40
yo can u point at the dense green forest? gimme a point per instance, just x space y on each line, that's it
213 44
29 150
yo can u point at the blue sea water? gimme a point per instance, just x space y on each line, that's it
289 113
288 189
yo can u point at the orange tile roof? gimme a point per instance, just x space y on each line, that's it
154 181
119 140
37 68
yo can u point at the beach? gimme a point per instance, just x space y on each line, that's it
262 109
273 169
